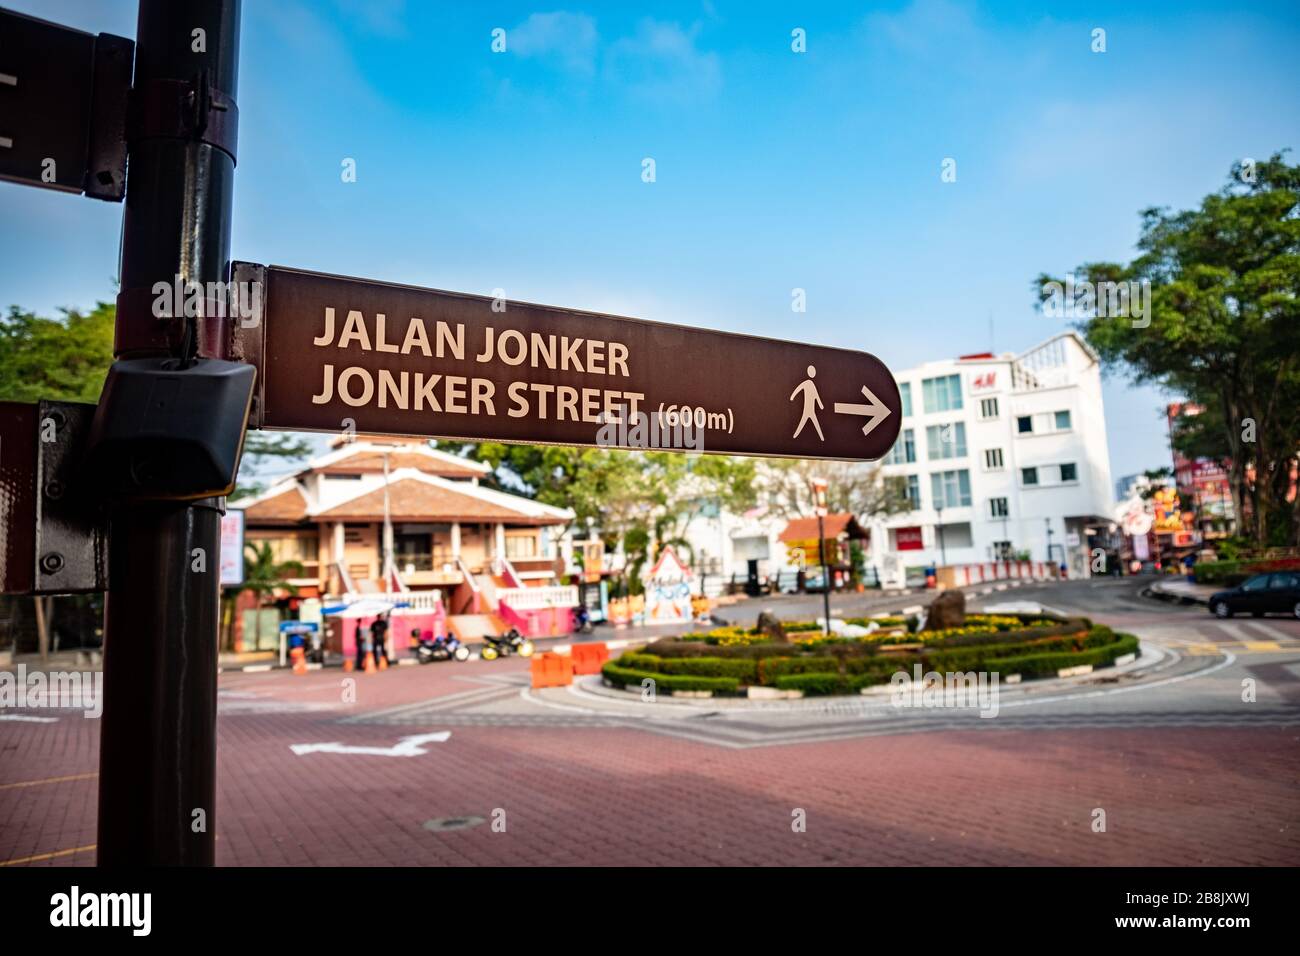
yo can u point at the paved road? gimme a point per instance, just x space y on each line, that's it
1182 770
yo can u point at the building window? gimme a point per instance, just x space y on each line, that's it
1029 476
1063 421
946 441
1070 472
998 508
942 394
993 459
988 408
1025 424
413 551
905 393
950 489
914 492
520 546
904 450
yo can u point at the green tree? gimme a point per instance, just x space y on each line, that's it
64 359
261 447
1223 328
264 574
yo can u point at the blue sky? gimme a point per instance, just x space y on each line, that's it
775 170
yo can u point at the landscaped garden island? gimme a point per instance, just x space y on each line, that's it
800 659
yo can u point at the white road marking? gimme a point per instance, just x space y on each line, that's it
1273 633
406 747
30 720
1233 630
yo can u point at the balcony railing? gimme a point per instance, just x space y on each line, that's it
527 599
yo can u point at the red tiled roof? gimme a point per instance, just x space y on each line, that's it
288 506
413 500
372 461
805 529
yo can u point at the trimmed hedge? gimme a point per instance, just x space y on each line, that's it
851 669
1046 665
1232 573
745 671
668 682
815 685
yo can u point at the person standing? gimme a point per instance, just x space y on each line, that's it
361 650
378 631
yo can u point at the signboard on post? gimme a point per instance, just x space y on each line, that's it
335 353
63 107
232 548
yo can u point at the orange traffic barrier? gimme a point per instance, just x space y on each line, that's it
299 656
588 658
552 670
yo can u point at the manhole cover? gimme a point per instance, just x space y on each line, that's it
443 824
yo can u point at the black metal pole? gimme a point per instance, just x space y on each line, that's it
826 572
157 783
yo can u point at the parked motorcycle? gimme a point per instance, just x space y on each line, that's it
582 620
503 645
441 649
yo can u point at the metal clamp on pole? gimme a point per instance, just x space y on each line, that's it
185 109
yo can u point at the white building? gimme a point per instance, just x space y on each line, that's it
1001 455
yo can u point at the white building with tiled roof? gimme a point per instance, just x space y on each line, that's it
446 527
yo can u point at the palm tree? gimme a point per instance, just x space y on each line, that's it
264 574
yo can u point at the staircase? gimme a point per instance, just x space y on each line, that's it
470 628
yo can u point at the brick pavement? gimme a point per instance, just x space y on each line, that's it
622 796
600 794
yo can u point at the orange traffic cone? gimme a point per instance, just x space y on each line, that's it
368 663
299 660
347 665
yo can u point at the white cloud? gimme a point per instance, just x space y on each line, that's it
660 61
566 40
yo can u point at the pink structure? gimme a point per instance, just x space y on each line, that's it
960 575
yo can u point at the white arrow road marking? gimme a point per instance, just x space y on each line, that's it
406 747
876 409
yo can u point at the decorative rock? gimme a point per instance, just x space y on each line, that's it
1125 659
692 693
946 610
769 624
1077 671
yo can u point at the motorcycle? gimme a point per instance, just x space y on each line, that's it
441 649
582 620
503 645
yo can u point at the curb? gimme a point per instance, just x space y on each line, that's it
1156 593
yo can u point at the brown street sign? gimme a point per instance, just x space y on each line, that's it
335 353
63 105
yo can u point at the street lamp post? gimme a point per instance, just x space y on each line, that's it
943 551
819 506
1048 522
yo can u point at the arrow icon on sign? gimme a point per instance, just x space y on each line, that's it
876 409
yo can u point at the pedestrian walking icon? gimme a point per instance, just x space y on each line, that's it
811 402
